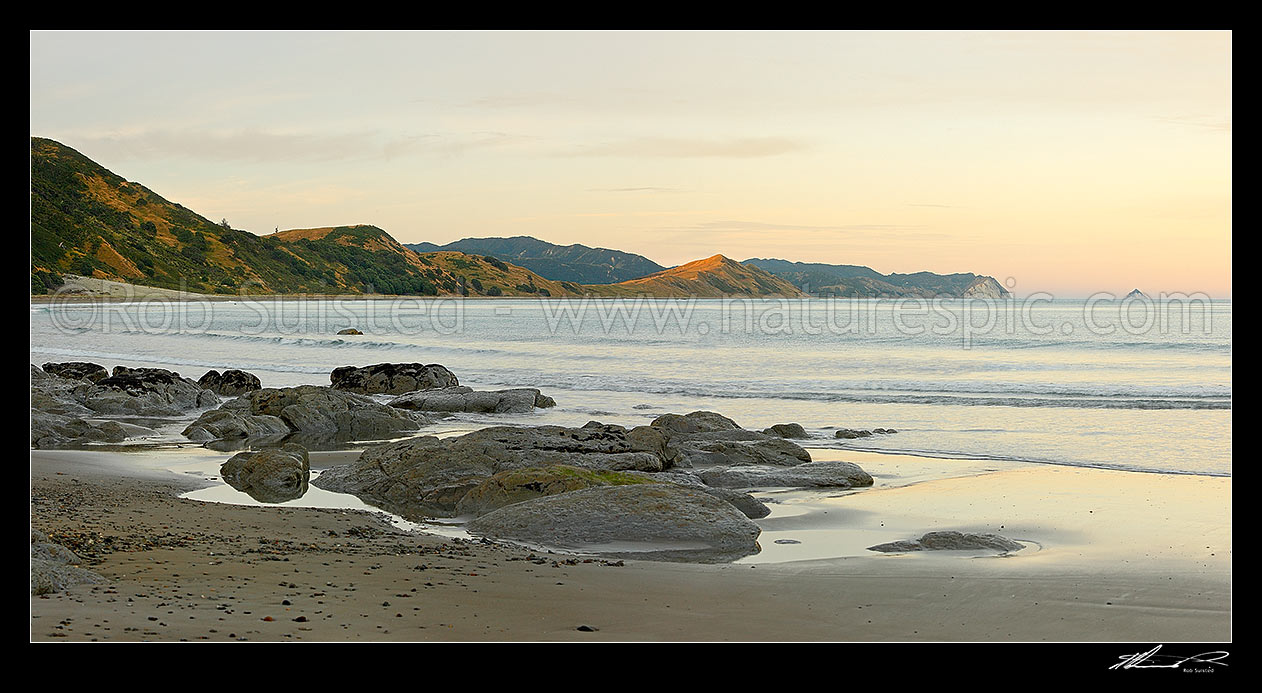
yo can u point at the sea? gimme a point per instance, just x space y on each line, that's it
1134 384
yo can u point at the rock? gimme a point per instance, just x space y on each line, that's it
50 431
230 383
951 541
764 450
54 567
147 392
221 423
644 406
464 399
57 395
325 411
696 422
392 378
271 475
517 485
427 476
77 370
349 330
787 430
810 474
851 433
653 521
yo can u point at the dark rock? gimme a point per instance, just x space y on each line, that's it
951 541
464 399
324 411
349 330
517 485
851 433
54 567
695 422
221 423
392 378
271 475
810 474
230 383
787 430
662 521
428 476
147 392
77 370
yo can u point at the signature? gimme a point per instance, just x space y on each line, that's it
1152 660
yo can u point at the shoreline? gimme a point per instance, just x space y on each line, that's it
1122 556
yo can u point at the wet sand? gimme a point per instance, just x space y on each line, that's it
1111 556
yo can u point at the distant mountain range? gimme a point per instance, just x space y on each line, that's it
88 221
571 263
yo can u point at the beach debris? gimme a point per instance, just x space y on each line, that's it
951 541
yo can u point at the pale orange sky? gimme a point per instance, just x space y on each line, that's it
1071 162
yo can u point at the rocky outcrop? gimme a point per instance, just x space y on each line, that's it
271 475
325 411
751 507
656 521
55 568
77 370
518 485
350 330
230 383
810 474
986 287
392 378
787 430
705 438
50 430
852 433
951 541
218 424
147 392
428 476
464 399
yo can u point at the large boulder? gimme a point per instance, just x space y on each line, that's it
428 476
77 370
324 411
951 541
56 395
810 474
271 475
706 438
517 485
464 399
230 383
653 521
695 422
218 424
392 378
748 505
147 392
787 430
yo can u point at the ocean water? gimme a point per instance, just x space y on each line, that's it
1135 385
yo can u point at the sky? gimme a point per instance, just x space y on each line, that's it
1062 162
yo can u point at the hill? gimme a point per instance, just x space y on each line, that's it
713 277
89 221
856 281
569 263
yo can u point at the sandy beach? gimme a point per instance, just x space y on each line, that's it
1111 556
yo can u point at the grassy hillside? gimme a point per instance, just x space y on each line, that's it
575 263
856 281
89 221
713 277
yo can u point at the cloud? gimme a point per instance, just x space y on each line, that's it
739 226
735 148
1199 121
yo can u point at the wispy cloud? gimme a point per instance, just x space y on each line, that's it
736 148
728 226
1203 122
